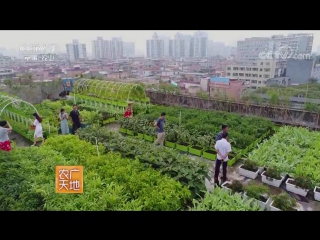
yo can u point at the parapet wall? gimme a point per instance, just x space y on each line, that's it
276 114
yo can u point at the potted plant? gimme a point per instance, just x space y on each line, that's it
249 169
316 193
202 143
184 138
171 136
272 176
235 186
299 185
283 202
258 192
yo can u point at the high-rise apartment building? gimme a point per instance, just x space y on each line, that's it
98 48
76 51
129 49
155 47
296 43
116 48
200 44
249 50
107 49
180 46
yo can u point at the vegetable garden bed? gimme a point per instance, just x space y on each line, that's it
293 151
195 142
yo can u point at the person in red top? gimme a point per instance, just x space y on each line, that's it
127 113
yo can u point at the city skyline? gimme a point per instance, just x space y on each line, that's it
15 39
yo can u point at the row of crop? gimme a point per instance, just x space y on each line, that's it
179 138
27 182
191 173
292 156
243 130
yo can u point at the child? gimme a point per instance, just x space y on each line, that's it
5 144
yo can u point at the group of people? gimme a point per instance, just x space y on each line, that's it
75 119
5 127
222 146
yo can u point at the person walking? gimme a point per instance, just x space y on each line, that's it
75 118
63 116
38 132
224 129
223 148
5 144
160 129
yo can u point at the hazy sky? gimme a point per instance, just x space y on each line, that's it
14 39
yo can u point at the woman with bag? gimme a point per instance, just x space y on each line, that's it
38 133
63 116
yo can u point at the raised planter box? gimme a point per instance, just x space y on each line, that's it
294 189
111 120
182 147
316 193
261 169
273 182
130 132
123 130
272 208
224 187
262 204
148 138
170 144
209 154
247 173
195 150
140 135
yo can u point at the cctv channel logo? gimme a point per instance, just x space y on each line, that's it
36 49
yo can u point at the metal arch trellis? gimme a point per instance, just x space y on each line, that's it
119 89
104 87
98 85
93 86
88 84
11 100
134 87
124 85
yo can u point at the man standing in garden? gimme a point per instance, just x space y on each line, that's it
224 129
160 129
75 118
223 148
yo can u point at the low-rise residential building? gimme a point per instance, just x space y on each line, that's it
6 74
227 87
256 74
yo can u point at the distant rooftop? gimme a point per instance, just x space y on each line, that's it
220 80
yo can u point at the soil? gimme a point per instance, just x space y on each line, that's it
263 199
196 147
318 190
279 178
252 170
211 152
183 144
291 182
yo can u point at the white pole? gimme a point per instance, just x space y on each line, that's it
97 146
180 118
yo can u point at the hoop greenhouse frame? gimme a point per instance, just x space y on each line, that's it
114 91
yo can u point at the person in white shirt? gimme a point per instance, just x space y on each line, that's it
223 148
38 133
